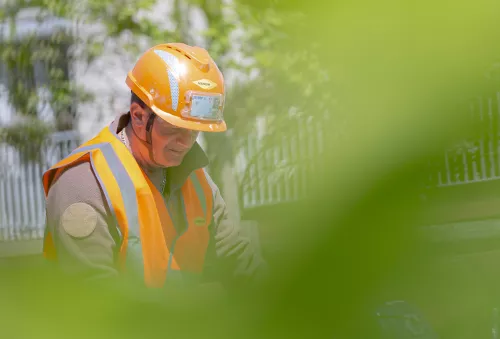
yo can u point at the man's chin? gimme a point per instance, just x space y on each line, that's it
172 159
172 162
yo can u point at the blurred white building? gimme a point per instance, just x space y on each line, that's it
22 211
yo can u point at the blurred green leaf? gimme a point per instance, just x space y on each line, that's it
27 136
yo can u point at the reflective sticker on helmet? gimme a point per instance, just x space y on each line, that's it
174 67
174 90
205 107
170 59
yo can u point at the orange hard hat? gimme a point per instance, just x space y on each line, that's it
182 85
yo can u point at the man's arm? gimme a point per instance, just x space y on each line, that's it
77 217
232 258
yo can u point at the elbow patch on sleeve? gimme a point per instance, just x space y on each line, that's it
79 220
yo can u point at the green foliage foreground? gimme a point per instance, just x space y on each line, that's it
405 72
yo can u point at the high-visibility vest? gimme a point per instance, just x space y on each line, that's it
149 243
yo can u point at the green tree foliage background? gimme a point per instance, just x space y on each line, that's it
271 80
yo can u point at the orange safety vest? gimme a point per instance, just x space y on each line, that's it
149 243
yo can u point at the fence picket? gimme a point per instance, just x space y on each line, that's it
22 201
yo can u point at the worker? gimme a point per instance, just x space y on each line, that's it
136 200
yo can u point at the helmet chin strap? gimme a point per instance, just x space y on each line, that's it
149 138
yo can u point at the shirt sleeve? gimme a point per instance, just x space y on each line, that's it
232 257
84 234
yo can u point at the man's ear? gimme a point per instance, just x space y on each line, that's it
138 115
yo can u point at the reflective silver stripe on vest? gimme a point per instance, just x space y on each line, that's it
199 192
127 191
213 186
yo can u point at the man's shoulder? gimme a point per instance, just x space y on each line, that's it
77 183
78 175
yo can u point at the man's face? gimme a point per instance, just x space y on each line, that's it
171 143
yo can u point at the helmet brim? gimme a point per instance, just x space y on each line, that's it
202 126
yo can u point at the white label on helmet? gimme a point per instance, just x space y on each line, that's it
205 83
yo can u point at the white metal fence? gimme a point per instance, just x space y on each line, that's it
22 201
478 159
277 173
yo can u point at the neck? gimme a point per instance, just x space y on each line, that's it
139 151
